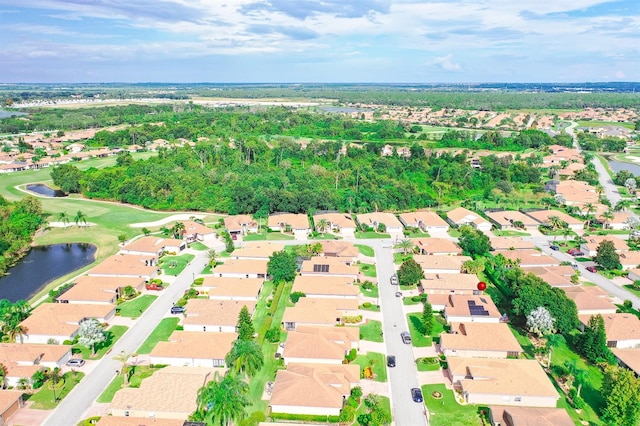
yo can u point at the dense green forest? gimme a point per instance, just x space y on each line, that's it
18 222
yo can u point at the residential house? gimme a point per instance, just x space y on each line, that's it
590 300
219 288
252 250
590 248
510 243
193 349
502 381
99 289
470 340
555 276
634 274
346 252
341 223
424 220
138 421
320 345
10 402
530 258
23 361
471 308
177 386
195 231
153 246
290 222
232 268
630 259
57 322
461 216
560 154
374 220
511 219
127 265
319 311
628 358
437 246
450 284
328 266
577 193
619 222
321 286
542 216
313 389
441 264
571 170
622 330
218 316
529 416
241 224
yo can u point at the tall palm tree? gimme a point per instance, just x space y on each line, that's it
222 401
405 244
53 378
14 331
555 222
608 217
245 357
322 225
80 218
123 357
553 341
212 254
589 208
178 230
64 218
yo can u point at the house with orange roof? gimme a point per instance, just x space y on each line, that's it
220 288
555 276
590 247
634 274
98 289
622 329
328 266
529 416
571 169
297 223
153 246
23 361
319 311
138 421
630 259
471 308
127 265
441 264
10 402
520 382
60 321
427 221
374 220
261 250
341 223
628 358
321 286
347 252
470 340
450 284
178 387
437 246
461 216
619 222
195 231
509 219
529 258
218 316
590 300
576 192
320 345
313 389
241 224
543 216
232 268
510 243
193 349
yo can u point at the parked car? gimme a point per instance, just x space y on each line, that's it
406 337
592 269
154 286
391 361
394 280
575 252
554 247
177 309
416 395
75 362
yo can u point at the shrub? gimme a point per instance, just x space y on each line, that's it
366 305
67 342
578 403
296 295
273 334
627 304
198 281
347 414
357 393
351 356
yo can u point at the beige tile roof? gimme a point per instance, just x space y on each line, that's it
373 219
619 218
630 357
461 216
341 220
618 326
294 220
314 310
336 266
232 287
99 289
151 244
21 359
137 421
450 282
191 227
630 258
339 249
440 262
437 246
314 386
507 217
196 345
62 318
531 416
593 241
577 192
239 223
530 257
543 216
571 169
555 276
510 243
320 342
257 249
590 299
8 398
178 387
215 312
473 336
331 286
520 377
124 264
459 305
242 266
424 218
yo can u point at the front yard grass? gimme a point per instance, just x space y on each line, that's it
428 364
198 246
113 334
371 235
446 411
134 308
372 292
375 360
270 236
409 301
507 233
630 288
43 399
138 373
160 334
415 326
368 270
371 331
365 250
174 265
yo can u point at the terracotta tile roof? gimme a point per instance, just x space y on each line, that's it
460 305
125 264
450 282
424 218
331 286
339 249
178 387
150 244
242 266
8 398
473 336
334 266
62 318
630 258
257 249
138 421
232 287
531 416
530 257
590 299
313 342
618 326
461 216
215 312
314 386
593 241
508 217
239 223
630 357
20 360
314 310
510 243
99 289
440 262
555 276
191 227
437 246
543 216
523 377
341 220
373 219
194 344
577 192
294 220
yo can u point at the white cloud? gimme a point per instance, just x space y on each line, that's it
446 63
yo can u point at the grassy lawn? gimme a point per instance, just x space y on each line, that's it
159 334
588 123
500 233
428 364
400 257
370 293
207 270
198 246
371 331
134 308
368 270
454 232
43 399
523 340
384 403
138 373
365 250
630 289
372 307
371 235
415 324
446 411
409 301
113 334
271 236
375 360
174 265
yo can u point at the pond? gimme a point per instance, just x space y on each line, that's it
42 265
7 114
617 166
43 189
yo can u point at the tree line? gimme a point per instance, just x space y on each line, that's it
18 223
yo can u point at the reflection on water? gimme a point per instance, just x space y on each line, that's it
42 189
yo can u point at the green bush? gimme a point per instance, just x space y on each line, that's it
273 334
366 305
198 281
67 342
351 356
347 414
296 295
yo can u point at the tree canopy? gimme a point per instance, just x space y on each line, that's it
282 266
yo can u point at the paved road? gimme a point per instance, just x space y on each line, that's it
71 409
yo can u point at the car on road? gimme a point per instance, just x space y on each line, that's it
575 252
416 395
398 294
75 362
177 309
406 337
391 361
554 247
592 269
394 280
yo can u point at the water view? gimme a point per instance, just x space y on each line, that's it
617 166
43 189
42 265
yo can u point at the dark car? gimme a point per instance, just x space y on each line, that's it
398 294
592 269
75 362
416 395
406 337
554 247
177 309
391 361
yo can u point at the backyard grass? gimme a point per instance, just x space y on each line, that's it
523 340
384 403
368 270
375 360
446 411
174 265
270 236
371 331
113 334
415 325
137 373
198 246
43 399
365 250
161 333
371 235
134 308
588 123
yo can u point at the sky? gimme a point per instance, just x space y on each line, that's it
340 41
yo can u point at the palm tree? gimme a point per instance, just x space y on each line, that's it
245 357
54 377
80 218
123 357
322 225
178 230
553 341
405 244
608 217
589 208
579 377
212 254
222 401
622 205
62 217
14 331
3 376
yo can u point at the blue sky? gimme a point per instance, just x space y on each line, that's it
319 41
